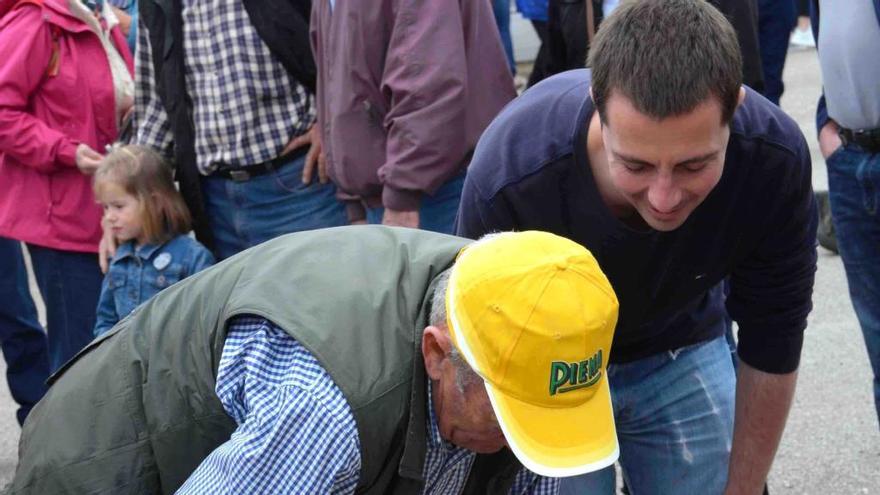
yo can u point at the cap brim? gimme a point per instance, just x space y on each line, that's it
563 441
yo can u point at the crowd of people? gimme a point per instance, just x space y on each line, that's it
646 188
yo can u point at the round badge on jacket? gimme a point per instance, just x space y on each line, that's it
162 261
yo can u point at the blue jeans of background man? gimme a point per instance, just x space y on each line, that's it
70 284
674 418
243 214
437 212
21 336
854 194
501 9
776 19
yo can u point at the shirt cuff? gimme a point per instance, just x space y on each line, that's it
401 199
776 356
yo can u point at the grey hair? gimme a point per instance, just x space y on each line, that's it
438 300
465 375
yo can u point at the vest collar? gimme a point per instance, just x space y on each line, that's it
412 462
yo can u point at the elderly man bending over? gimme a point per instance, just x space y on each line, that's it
301 366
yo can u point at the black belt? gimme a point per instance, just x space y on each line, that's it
247 173
869 139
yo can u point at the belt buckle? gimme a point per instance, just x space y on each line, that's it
239 175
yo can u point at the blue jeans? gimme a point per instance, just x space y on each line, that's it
437 212
70 284
776 19
501 9
854 194
674 417
21 336
244 214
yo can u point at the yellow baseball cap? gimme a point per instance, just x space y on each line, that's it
533 315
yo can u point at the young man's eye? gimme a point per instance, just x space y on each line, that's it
635 167
695 167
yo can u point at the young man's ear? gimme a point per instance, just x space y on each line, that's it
742 96
435 347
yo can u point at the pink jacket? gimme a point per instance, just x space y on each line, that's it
44 199
405 88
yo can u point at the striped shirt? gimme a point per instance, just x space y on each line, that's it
296 432
245 106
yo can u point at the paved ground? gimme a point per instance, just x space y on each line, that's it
832 443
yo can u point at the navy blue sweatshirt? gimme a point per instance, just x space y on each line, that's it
530 170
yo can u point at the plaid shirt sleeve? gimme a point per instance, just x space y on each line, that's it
296 432
150 120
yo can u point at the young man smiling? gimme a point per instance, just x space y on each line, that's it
675 176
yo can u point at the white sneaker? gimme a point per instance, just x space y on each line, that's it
803 38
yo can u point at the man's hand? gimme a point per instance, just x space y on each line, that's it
106 249
829 139
314 157
396 218
87 159
762 404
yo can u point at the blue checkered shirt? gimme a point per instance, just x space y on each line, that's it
245 106
296 432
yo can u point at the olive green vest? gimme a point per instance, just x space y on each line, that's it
136 412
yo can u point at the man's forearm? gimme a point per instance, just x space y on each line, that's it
762 404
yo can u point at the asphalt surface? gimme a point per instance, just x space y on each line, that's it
832 442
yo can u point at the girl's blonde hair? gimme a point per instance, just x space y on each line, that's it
144 174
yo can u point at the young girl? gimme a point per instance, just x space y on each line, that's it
150 221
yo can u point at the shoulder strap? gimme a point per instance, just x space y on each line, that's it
55 58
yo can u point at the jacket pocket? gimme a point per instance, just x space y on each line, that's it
122 299
357 148
167 277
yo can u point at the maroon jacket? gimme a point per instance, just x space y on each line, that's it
405 88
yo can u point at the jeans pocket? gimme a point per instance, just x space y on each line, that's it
288 178
835 154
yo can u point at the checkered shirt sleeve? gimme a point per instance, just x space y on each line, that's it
296 433
150 120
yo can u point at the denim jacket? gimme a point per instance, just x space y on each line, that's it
137 274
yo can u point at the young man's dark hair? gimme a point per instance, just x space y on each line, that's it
654 53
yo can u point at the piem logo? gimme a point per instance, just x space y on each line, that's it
566 377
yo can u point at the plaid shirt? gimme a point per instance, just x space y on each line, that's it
246 107
296 432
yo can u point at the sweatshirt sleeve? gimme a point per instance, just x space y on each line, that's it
771 289
25 49
478 215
